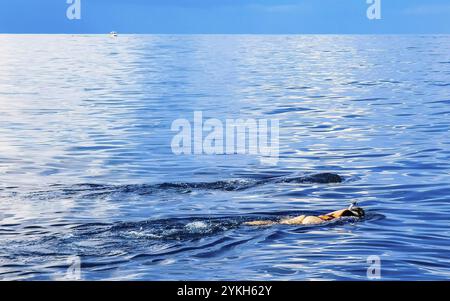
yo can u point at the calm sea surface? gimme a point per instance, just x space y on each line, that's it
85 144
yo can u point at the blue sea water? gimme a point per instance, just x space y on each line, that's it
85 148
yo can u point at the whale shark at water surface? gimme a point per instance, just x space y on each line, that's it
233 185
96 190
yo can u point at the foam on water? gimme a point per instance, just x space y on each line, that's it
197 226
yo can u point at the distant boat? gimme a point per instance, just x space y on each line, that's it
113 34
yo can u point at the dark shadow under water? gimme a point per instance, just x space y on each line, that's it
99 190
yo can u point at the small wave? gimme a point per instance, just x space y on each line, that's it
371 99
198 226
440 84
288 110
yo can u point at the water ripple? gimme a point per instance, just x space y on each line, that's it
86 167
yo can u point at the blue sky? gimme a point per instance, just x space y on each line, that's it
225 16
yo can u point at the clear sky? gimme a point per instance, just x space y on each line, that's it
225 16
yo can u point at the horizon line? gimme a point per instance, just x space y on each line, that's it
206 33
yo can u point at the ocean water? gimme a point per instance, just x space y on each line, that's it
86 167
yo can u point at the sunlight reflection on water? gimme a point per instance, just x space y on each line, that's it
95 110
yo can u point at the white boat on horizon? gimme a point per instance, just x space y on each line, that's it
113 34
